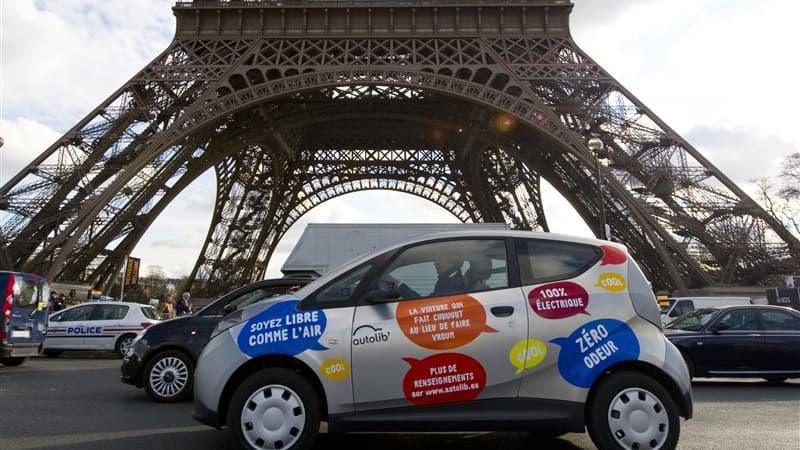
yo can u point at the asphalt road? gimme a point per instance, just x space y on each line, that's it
79 403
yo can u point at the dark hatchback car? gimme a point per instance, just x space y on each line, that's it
739 341
162 358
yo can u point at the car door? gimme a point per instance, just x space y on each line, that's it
27 303
106 324
66 329
781 331
732 343
435 325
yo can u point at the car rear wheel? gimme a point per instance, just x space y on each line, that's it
776 380
12 361
275 409
631 411
124 343
169 377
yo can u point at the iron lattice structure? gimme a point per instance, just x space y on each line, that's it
468 104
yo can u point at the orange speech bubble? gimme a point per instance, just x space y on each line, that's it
443 323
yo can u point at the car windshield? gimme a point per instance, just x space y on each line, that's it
692 321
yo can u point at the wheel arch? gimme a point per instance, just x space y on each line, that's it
684 405
119 339
264 362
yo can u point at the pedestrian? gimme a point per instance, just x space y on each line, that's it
184 305
168 308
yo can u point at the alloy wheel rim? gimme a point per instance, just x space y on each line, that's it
125 345
273 417
638 420
169 376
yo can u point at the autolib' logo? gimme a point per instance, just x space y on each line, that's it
375 335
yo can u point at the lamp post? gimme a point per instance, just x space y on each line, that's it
596 146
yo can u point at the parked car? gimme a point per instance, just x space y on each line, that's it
23 316
162 358
676 306
98 326
494 330
740 341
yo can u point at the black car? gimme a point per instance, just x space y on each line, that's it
162 358
739 341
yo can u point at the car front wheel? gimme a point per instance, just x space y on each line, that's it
12 361
123 344
274 409
169 377
631 411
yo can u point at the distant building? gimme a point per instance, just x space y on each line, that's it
325 246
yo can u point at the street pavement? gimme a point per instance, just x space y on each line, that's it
74 402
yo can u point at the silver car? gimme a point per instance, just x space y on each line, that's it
494 330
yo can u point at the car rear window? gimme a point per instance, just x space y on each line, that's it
149 312
28 291
542 261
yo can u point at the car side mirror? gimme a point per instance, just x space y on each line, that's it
720 326
380 296
229 308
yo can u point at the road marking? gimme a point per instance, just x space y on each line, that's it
32 443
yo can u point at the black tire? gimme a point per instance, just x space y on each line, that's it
12 361
120 347
52 353
598 412
160 392
280 378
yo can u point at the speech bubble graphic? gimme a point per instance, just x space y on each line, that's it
612 282
527 353
593 348
559 300
443 378
283 329
335 369
612 255
443 323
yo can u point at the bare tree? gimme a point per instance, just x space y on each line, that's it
781 197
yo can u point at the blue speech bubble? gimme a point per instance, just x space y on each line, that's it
283 329
593 348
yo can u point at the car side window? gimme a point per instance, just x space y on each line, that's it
109 312
779 321
28 292
78 313
682 307
445 268
542 261
740 320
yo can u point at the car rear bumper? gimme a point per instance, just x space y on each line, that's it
18 350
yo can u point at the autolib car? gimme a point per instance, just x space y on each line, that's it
162 358
742 341
23 316
98 326
493 330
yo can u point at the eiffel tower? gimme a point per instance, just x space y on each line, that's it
468 104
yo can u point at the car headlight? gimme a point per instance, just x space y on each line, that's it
228 321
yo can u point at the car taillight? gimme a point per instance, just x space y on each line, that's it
8 301
145 324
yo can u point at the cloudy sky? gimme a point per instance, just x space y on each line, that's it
720 72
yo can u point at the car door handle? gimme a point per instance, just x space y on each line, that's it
502 311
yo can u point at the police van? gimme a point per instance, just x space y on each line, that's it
97 326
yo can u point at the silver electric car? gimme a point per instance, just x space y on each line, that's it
493 330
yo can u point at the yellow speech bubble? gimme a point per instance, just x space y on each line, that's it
610 281
526 354
335 369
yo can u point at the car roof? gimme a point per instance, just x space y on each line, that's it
774 307
106 302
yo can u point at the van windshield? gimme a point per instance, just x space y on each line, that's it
693 321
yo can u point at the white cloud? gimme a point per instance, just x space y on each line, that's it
24 140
